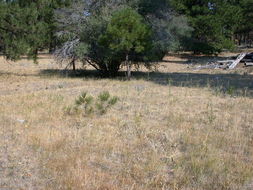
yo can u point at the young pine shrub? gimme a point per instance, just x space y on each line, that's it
105 101
87 105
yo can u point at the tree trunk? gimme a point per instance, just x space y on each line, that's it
128 67
248 40
73 62
233 37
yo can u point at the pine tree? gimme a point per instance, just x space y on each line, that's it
214 23
127 33
27 26
246 25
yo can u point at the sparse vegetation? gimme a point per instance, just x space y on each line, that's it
166 132
85 102
176 127
87 105
105 101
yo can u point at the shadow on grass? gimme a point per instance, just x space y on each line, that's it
193 59
232 84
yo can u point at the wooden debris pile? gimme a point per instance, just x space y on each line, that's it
246 58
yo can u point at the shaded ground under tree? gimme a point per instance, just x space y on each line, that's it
233 84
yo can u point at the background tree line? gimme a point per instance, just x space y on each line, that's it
218 24
110 33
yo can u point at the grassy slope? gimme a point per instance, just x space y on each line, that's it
168 131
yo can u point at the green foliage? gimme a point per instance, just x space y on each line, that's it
107 30
246 24
127 35
181 32
27 27
215 23
105 101
81 50
85 102
113 29
103 97
127 32
87 105
91 51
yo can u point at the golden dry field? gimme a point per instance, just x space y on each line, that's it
175 128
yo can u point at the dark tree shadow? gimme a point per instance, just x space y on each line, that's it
187 58
70 73
232 84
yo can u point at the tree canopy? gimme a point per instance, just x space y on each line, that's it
27 26
215 22
127 34
154 32
96 32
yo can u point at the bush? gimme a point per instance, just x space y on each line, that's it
104 102
87 105
84 102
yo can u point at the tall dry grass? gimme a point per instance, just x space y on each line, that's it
156 137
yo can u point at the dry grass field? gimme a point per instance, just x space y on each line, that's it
175 128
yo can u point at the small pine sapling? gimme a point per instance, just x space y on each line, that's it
105 101
84 102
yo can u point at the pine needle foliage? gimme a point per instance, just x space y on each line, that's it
27 27
127 34
105 101
88 105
